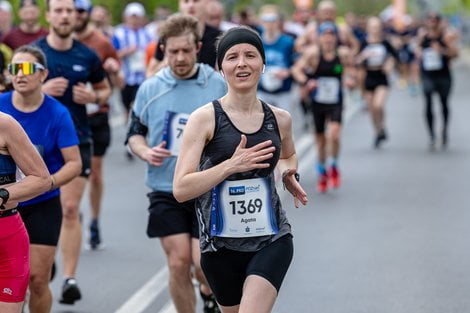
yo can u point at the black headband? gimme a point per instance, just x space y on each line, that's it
235 36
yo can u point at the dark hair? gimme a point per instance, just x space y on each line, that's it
34 51
236 35
177 25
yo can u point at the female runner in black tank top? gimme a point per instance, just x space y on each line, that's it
436 47
236 142
376 57
323 69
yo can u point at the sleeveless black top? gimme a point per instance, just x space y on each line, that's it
326 68
222 146
426 44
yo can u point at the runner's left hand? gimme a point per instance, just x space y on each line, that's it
293 186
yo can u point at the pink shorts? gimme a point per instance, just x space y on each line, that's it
14 259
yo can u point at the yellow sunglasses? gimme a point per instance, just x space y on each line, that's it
28 68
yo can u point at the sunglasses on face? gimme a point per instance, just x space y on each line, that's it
28 68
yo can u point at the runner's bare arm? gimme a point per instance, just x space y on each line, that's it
308 59
71 168
288 162
102 91
15 142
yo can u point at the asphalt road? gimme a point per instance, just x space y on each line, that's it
392 239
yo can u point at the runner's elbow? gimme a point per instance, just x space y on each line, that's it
179 194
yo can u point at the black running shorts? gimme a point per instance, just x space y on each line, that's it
43 221
226 270
101 133
169 217
375 79
324 112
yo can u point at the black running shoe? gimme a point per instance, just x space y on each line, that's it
444 140
210 305
95 239
381 136
70 292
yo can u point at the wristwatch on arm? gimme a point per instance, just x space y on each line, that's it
4 196
284 174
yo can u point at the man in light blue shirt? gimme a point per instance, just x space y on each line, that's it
161 109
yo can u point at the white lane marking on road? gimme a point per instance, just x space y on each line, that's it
143 297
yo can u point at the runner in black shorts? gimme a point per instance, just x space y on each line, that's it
71 66
245 238
322 69
437 46
97 114
155 132
49 125
376 56
167 216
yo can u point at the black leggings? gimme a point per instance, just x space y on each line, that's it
441 85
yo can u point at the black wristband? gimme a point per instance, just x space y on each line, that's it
284 174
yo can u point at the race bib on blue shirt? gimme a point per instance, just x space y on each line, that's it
243 208
173 130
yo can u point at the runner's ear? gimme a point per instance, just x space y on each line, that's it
264 67
222 73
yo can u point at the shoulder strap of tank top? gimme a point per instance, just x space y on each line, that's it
269 116
218 112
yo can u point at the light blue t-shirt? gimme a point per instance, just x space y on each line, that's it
163 104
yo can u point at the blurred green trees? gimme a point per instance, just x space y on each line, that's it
362 7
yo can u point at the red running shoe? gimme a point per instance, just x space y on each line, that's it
322 184
334 177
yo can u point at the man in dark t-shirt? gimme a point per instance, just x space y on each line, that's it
97 114
207 53
29 29
71 66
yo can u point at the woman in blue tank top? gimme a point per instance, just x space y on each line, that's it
236 142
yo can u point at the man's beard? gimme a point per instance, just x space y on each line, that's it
81 27
62 34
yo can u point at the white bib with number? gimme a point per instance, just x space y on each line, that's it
432 60
137 61
243 208
376 55
328 89
173 130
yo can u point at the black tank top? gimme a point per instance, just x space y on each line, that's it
328 69
222 146
227 137
426 47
